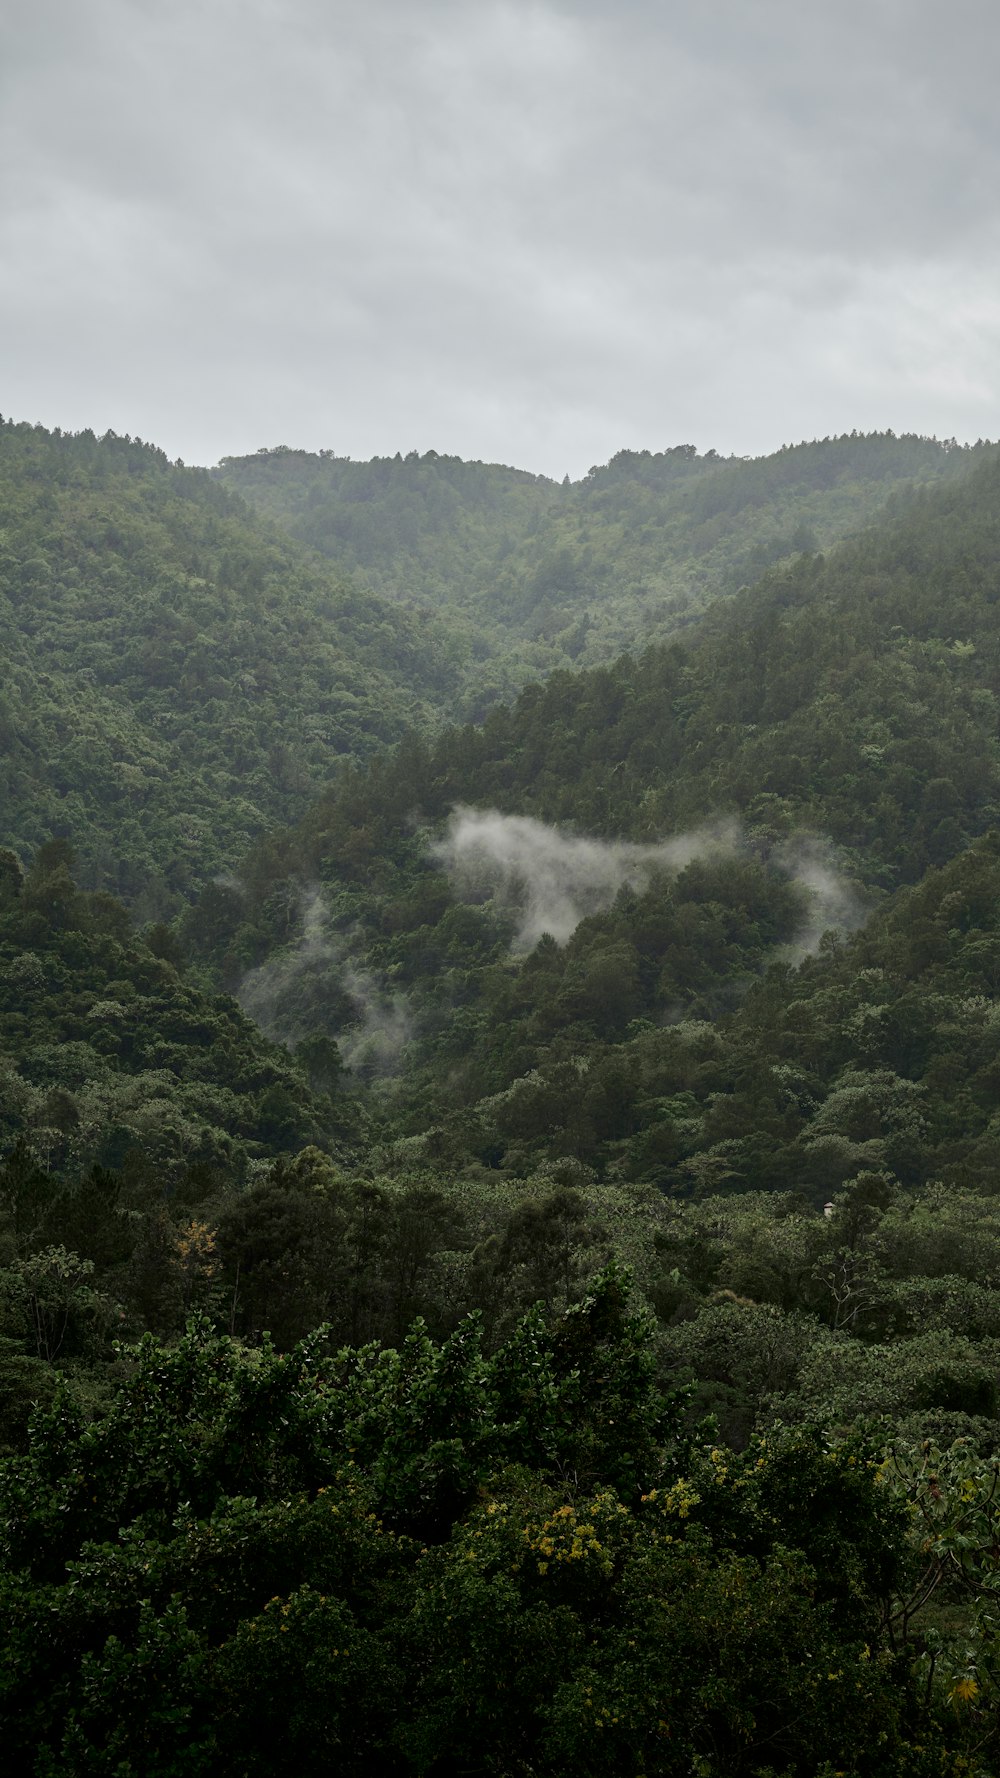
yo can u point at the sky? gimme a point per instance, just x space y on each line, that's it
527 231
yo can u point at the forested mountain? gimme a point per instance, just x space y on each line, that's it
177 674
846 703
538 575
377 1232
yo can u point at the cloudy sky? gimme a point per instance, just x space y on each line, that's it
532 231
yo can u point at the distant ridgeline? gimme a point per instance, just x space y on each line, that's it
180 676
535 575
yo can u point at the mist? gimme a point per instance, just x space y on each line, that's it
268 994
833 904
384 1028
314 986
552 880
548 880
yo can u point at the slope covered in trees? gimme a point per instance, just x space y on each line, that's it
107 1051
538 575
847 702
569 1074
179 677
177 674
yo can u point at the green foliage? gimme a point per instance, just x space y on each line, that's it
106 1050
178 674
533 576
205 1573
416 1492
834 699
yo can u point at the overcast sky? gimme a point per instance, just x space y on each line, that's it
532 231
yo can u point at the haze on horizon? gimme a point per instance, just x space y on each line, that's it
529 231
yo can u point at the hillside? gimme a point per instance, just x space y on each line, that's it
840 717
376 1235
180 676
538 575
110 1048
177 675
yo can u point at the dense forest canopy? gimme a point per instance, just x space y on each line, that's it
499 1231
839 721
539 575
177 675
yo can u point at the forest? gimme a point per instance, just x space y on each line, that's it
500 1113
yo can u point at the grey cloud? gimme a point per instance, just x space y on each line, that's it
525 231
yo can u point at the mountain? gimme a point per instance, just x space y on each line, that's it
538 576
178 675
533 1091
481 921
678 821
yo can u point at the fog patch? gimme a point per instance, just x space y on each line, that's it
270 994
312 987
552 880
375 1044
227 879
833 903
